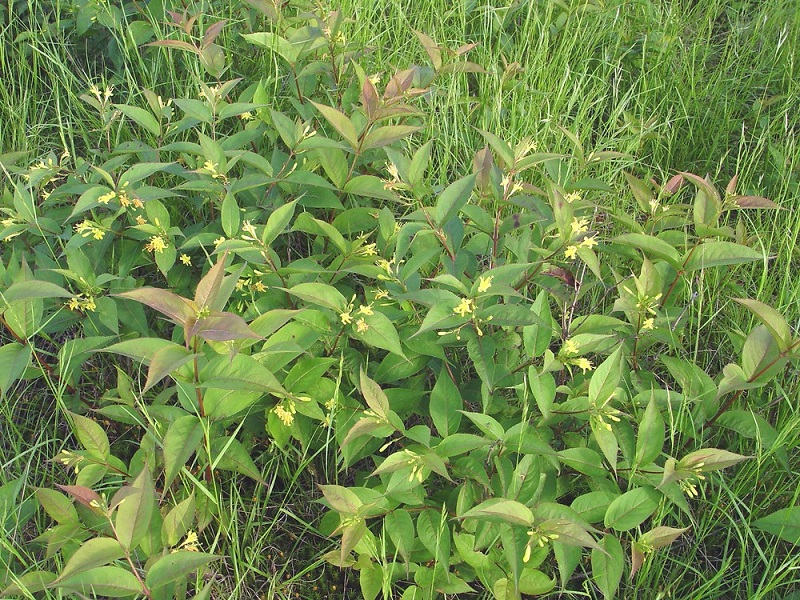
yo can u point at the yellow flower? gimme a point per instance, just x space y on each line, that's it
250 230
98 233
367 250
259 287
584 364
571 252
579 226
366 310
381 294
186 259
106 198
73 303
484 283
361 326
285 412
190 543
156 244
218 241
648 324
246 116
346 317
572 197
465 307
140 220
386 265
588 242
570 347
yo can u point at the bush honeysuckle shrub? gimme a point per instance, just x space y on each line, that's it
502 363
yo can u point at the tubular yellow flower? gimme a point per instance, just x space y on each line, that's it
579 226
584 364
346 317
140 220
648 324
589 242
484 283
361 326
570 347
366 310
156 244
572 197
381 294
571 252
186 259
466 307
106 198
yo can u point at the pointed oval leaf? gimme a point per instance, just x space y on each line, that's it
453 199
175 566
92 553
632 508
181 441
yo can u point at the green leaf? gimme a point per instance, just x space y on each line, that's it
174 307
14 359
140 349
488 425
605 379
453 199
135 511
28 290
380 333
710 459
499 510
772 320
111 582
178 521
141 117
400 526
652 246
536 338
715 254
320 294
661 536
368 186
91 436
383 136
166 360
375 396
281 46
222 327
543 388
650 437
57 505
31 582
535 583
230 215
632 508
784 523
608 563
340 122
175 566
92 553
583 460
341 499
141 171
277 222
230 455
370 579
445 404
181 441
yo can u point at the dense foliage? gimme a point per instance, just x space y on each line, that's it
491 375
